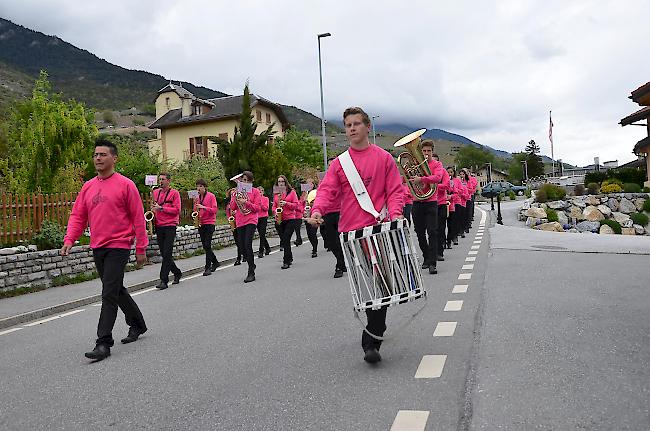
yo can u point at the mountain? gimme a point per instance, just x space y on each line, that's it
83 76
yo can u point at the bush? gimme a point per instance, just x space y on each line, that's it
611 188
595 177
646 205
611 181
551 215
616 227
579 190
512 195
631 188
640 218
528 192
593 188
540 196
646 190
50 236
551 192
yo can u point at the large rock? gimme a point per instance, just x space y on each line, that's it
640 230
627 223
535 213
638 203
606 230
562 218
579 202
576 213
591 213
551 227
531 221
8 251
620 217
613 204
592 200
628 231
556 205
626 206
607 211
588 226
603 199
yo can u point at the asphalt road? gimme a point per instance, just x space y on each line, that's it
281 353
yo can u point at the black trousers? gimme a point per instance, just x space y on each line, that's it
311 235
261 232
287 228
425 219
298 229
442 223
456 221
205 232
473 202
330 233
376 325
467 221
245 234
407 212
166 236
110 263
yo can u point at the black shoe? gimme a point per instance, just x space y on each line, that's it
243 259
433 270
297 243
260 254
101 351
314 254
250 277
162 285
134 333
344 269
338 273
372 356
281 248
455 241
425 265
177 278
440 258
466 230
449 245
462 235
214 266
207 272
237 262
285 266
267 251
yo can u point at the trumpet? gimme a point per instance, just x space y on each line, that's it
197 219
231 221
148 217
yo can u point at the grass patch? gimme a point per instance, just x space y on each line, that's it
63 280
22 291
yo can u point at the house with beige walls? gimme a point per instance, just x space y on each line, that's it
184 122
641 96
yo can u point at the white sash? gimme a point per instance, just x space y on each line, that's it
359 189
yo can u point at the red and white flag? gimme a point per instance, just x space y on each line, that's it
550 128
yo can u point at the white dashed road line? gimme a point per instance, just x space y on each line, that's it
140 292
470 259
460 288
445 329
473 252
467 267
454 305
410 420
465 276
431 366
8 331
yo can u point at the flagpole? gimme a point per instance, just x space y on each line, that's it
550 137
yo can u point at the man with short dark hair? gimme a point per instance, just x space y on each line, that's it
111 205
206 207
167 209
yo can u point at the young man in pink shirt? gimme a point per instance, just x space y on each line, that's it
441 195
206 206
110 204
383 183
167 210
246 206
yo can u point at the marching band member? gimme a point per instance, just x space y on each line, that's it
288 201
300 210
311 230
425 212
111 204
458 200
464 177
231 213
379 173
330 232
452 209
247 206
206 206
441 195
262 221
408 201
167 208
472 185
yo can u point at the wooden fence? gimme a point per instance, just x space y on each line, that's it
22 214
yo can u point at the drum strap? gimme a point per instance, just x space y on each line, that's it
358 187
397 331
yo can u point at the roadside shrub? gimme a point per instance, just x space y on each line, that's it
579 190
616 227
646 190
50 236
512 195
593 188
540 196
640 218
595 177
528 192
551 215
611 181
553 192
611 188
631 188
646 205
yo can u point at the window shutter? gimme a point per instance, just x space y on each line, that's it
191 146
205 147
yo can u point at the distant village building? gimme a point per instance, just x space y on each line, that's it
642 148
184 122
482 176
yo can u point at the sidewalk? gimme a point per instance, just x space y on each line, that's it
31 306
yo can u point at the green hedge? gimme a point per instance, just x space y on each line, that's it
640 218
616 227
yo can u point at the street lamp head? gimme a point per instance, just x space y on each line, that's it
324 35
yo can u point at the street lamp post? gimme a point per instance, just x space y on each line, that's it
489 181
525 162
374 136
322 106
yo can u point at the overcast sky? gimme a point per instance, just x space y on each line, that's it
490 71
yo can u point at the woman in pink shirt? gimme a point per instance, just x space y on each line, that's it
458 200
464 177
291 214
206 206
262 221
246 206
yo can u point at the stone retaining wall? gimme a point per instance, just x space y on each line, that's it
39 268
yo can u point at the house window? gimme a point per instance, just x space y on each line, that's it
259 115
167 102
268 118
223 136
197 110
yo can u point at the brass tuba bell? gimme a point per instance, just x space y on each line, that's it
411 163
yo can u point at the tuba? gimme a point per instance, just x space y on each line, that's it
240 195
412 163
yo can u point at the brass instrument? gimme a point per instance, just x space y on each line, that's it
242 208
197 219
231 221
148 217
412 163
278 215
311 197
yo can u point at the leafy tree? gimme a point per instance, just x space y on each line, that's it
535 165
45 135
236 154
269 162
134 159
471 157
301 149
516 173
108 117
184 175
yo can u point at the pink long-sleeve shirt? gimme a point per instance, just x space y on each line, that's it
264 207
408 197
460 192
207 215
253 204
113 209
443 186
291 209
472 183
379 174
170 201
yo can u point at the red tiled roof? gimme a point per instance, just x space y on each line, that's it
641 114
